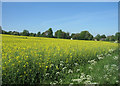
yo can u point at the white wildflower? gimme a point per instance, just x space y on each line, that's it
51 65
78 70
61 62
50 82
105 76
82 76
90 68
115 57
94 83
70 71
47 74
56 81
106 67
67 64
64 68
117 81
60 80
109 55
70 84
111 50
89 77
101 55
113 65
100 58
57 73
92 62
87 82
78 80
76 64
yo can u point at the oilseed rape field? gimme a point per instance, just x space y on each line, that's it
40 60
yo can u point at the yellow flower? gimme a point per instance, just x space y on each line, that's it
24 66
57 67
46 67
24 72
27 63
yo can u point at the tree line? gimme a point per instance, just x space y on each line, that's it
83 35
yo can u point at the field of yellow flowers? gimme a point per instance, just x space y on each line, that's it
30 60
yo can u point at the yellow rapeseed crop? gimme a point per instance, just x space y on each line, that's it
24 58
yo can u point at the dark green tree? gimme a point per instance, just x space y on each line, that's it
110 38
117 36
0 30
72 35
38 34
4 32
98 37
67 35
10 32
31 34
59 34
76 36
103 36
25 33
85 35
48 33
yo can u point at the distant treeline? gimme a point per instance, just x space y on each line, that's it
84 35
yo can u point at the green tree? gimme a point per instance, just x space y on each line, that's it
0 30
76 36
59 34
117 36
110 38
31 34
85 35
72 35
38 34
98 37
4 32
25 33
10 32
67 35
15 33
50 33
103 36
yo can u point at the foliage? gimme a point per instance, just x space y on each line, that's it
62 34
59 34
103 36
25 33
117 36
98 37
38 34
110 38
84 35
48 33
72 35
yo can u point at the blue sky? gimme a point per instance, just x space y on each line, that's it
73 17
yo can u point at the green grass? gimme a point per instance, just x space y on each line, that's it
105 71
